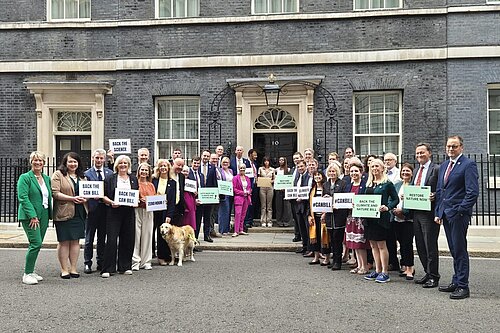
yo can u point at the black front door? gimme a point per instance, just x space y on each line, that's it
275 145
79 144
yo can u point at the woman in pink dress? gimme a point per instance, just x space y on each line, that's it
242 189
189 203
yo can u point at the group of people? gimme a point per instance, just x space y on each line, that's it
329 237
129 237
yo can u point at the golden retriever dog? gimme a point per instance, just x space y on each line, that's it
180 240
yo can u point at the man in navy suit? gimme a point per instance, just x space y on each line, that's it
237 160
456 194
96 218
425 228
302 179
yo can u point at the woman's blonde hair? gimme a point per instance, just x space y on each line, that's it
335 167
144 164
369 182
37 154
119 159
157 167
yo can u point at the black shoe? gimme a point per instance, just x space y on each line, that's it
65 277
336 266
423 279
460 293
431 283
197 250
87 269
249 226
74 275
208 239
449 288
329 266
297 239
301 251
314 262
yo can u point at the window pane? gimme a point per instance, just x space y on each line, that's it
391 3
178 129
192 129
377 3
362 124
392 123
163 109
290 6
192 8
163 129
275 6
84 8
392 144
165 8
179 8
494 124
362 145
260 6
57 11
376 145
71 9
177 109
361 4
392 103
494 98
361 103
192 109
376 103
495 144
376 124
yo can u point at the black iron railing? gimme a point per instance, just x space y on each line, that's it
485 210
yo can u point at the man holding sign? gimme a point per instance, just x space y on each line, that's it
96 218
425 229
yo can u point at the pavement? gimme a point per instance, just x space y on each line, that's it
483 241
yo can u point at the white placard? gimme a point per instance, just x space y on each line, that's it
303 192
126 197
91 189
156 202
249 172
120 146
322 205
291 193
190 185
342 200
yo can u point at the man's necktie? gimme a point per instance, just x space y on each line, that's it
419 176
448 170
99 175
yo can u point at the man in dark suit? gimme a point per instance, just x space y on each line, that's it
253 210
209 179
175 194
456 194
296 158
425 229
237 160
302 179
96 218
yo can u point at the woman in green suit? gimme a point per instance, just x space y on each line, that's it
35 209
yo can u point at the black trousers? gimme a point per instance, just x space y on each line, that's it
392 246
163 251
336 246
426 239
120 224
303 227
203 212
404 235
96 222
282 208
296 228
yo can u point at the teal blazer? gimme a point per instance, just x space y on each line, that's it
390 199
29 195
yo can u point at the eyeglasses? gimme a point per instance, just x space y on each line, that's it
452 146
